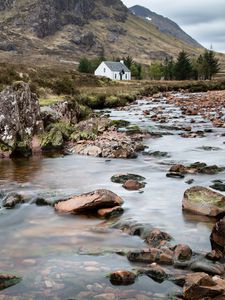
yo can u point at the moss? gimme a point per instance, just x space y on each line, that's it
10 281
56 135
83 135
205 196
119 123
132 129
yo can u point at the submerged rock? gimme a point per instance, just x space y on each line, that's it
11 200
108 213
195 168
207 267
152 255
203 201
217 236
157 238
8 280
89 203
182 252
20 120
155 272
122 178
219 186
122 277
158 154
133 185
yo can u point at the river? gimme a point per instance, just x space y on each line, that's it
69 257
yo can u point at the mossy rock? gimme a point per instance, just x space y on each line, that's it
52 140
8 280
132 129
203 201
119 123
82 135
122 178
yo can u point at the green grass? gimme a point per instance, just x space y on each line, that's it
53 99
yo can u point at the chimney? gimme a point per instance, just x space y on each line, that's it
122 62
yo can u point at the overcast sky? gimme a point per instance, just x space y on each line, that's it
204 20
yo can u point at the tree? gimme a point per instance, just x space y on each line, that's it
168 69
156 71
199 66
183 68
210 64
85 66
128 61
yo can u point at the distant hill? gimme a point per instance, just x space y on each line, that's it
164 25
55 31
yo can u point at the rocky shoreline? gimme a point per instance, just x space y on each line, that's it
201 275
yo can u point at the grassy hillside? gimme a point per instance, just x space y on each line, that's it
131 35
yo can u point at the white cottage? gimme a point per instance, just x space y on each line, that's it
113 70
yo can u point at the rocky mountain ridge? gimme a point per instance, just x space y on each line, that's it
164 24
66 30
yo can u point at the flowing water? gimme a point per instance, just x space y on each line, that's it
69 257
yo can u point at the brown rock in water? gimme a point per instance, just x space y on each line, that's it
182 252
110 212
214 255
155 272
133 185
178 169
89 203
200 286
122 277
152 255
157 238
203 201
217 237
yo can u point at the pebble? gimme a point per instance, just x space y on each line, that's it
49 284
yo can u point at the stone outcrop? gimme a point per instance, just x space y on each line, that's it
89 203
217 237
110 144
20 119
201 286
203 201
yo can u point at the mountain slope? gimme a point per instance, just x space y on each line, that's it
47 31
164 25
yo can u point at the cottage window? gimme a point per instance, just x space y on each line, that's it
104 70
126 76
115 76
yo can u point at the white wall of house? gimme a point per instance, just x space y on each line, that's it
103 70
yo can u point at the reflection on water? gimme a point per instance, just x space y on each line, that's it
60 256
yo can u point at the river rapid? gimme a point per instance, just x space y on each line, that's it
69 257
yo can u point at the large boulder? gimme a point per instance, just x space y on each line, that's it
20 119
217 237
203 201
201 286
89 203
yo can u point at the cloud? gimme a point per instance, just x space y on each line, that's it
203 20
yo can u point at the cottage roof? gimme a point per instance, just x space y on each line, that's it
116 66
